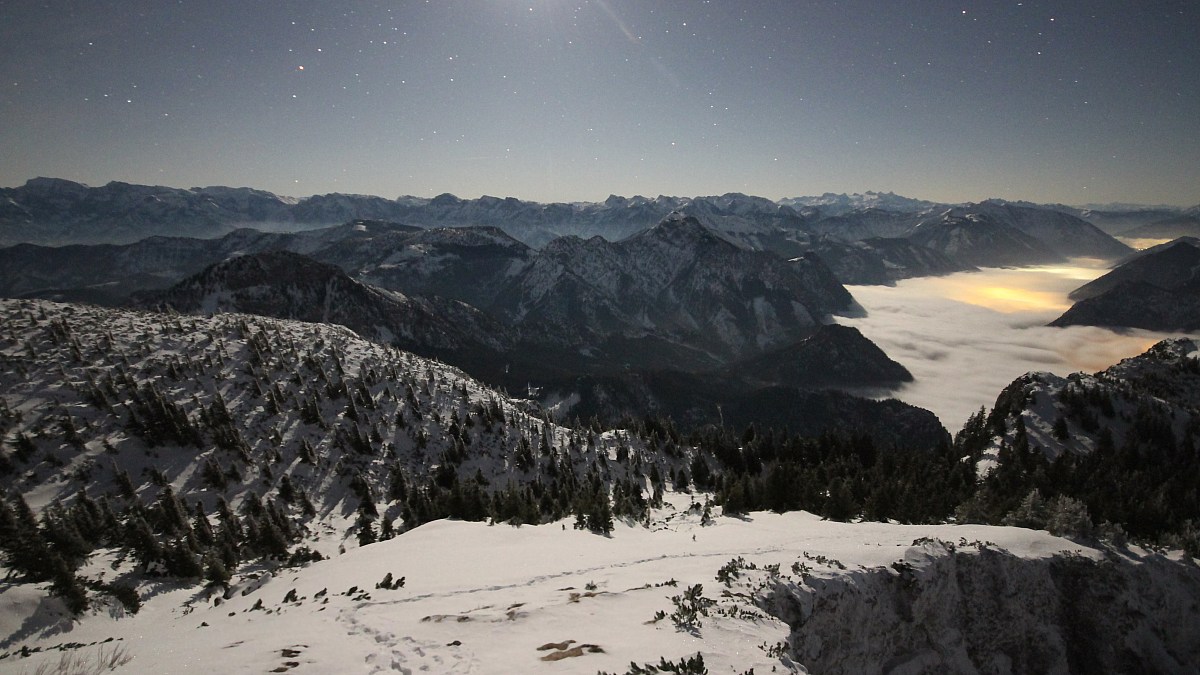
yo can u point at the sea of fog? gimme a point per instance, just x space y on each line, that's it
966 336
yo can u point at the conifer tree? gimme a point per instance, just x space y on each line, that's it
59 530
215 571
139 537
26 550
172 514
366 529
64 584
180 561
201 527
125 484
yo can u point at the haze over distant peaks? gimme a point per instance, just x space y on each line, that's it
57 211
836 203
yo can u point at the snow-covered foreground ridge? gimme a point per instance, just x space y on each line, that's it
789 593
235 439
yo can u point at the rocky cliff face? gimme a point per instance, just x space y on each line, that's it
972 608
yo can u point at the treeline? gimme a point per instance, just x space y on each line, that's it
1147 486
837 476
165 538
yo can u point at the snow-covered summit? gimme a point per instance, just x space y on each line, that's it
837 203
1151 400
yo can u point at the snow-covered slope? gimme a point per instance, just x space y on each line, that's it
838 203
288 285
1162 384
879 260
1061 233
306 427
1116 447
767 592
236 406
980 240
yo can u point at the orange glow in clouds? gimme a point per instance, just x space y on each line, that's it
1141 244
1040 289
1009 299
1122 346
966 336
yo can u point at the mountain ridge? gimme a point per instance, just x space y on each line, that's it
56 211
1157 289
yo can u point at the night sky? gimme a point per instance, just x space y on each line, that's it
550 100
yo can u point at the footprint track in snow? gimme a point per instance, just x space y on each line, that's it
405 654
540 579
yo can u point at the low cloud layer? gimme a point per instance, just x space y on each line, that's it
966 336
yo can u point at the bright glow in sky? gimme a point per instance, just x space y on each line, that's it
555 100
996 332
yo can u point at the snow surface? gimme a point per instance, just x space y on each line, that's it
483 599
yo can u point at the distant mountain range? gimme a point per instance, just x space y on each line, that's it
524 294
835 204
57 212
676 287
544 293
645 323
